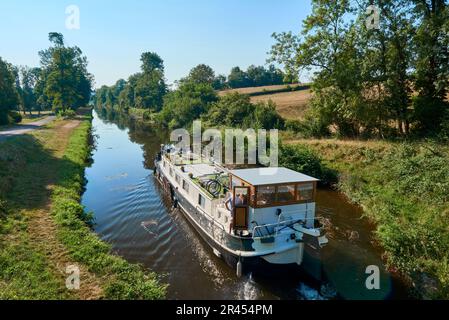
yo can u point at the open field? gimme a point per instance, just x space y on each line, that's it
252 90
290 105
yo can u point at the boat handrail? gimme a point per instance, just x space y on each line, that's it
276 226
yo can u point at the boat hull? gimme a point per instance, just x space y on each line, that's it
311 264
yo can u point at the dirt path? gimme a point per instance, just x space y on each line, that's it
22 129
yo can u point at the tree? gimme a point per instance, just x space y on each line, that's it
151 61
30 77
202 74
232 110
328 47
205 74
67 84
150 86
235 110
188 103
282 52
238 78
432 62
127 96
8 94
220 82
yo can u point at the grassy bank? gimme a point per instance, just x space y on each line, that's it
43 227
404 188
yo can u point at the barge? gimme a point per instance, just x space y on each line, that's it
254 219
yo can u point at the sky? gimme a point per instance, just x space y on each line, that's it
113 33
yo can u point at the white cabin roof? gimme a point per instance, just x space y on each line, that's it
199 170
268 176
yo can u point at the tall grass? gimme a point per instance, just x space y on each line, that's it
404 188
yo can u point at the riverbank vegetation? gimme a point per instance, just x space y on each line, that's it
404 188
44 229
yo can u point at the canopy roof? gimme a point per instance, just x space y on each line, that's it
269 176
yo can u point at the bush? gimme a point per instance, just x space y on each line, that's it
235 110
266 116
15 117
66 114
147 115
444 128
429 113
304 160
293 125
3 207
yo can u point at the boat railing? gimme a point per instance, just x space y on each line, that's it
273 229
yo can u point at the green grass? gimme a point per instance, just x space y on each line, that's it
47 167
404 188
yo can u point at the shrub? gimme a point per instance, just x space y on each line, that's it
15 117
266 116
304 160
429 113
66 114
147 115
293 125
3 209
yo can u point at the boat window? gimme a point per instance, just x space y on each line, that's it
286 193
266 195
202 201
178 179
171 172
165 164
241 196
185 186
305 192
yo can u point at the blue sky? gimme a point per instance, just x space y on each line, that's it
113 33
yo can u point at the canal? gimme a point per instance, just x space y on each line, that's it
133 215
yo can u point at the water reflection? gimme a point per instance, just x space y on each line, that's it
136 217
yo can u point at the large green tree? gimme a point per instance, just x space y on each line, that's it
201 74
188 103
150 87
364 77
328 48
67 83
8 93
29 79
432 61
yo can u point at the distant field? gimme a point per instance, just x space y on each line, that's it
290 105
256 89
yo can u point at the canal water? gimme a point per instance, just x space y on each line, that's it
134 215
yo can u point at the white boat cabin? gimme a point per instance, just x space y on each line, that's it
249 199
265 196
